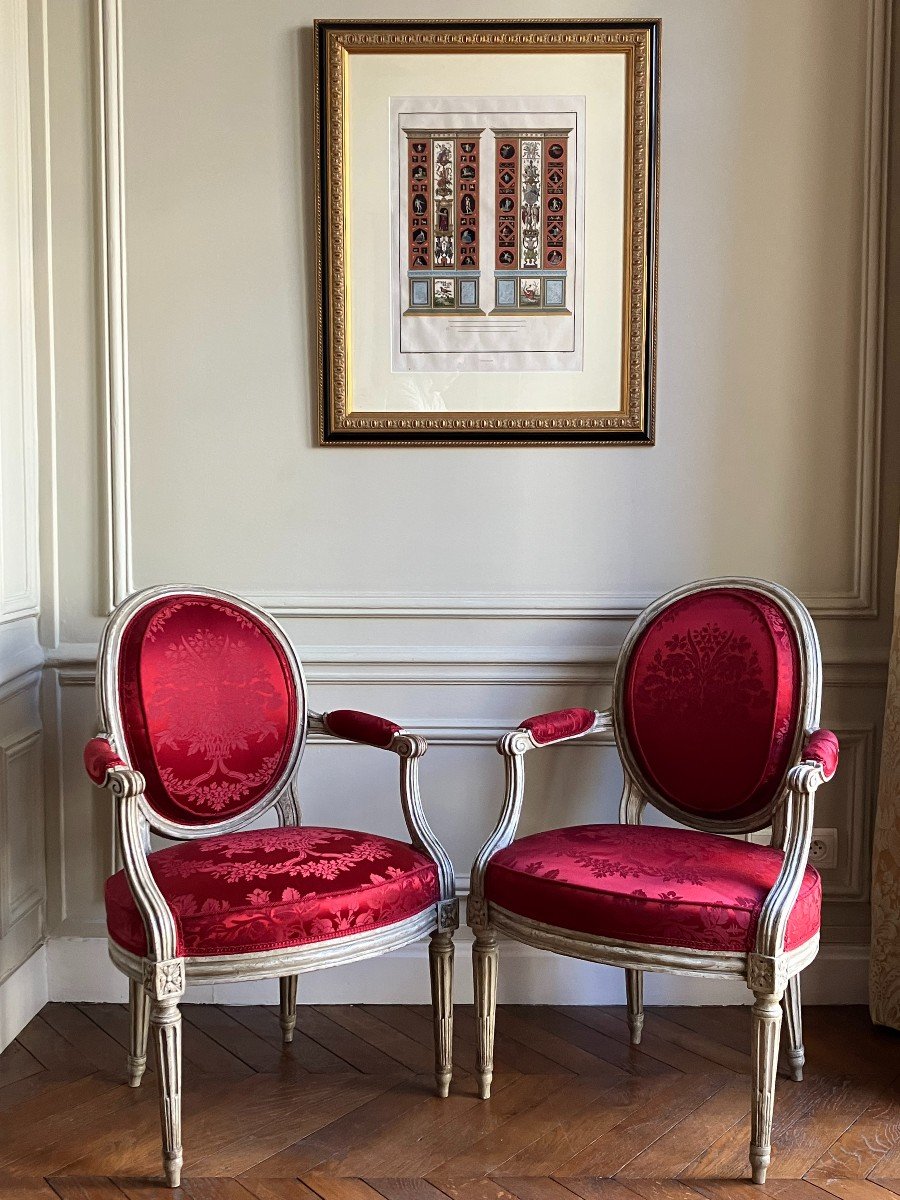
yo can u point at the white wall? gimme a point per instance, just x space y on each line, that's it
22 886
459 590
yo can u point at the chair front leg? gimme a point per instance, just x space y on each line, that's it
796 1055
164 984
440 962
139 1012
485 963
287 987
634 991
765 1037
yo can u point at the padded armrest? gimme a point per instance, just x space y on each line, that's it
559 725
361 727
822 747
99 759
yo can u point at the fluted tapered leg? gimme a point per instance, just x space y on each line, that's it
440 962
165 1021
485 957
765 1037
139 1011
796 1055
288 1007
634 990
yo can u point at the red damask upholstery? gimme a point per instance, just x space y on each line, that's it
99 757
639 883
209 707
556 726
361 727
266 889
711 702
822 747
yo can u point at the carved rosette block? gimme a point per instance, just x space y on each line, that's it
448 915
485 962
476 911
766 973
164 979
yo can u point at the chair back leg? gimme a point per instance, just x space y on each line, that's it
440 962
796 1055
485 956
287 1007
765 1035
634 991
139 1013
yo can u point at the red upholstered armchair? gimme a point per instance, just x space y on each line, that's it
203 706
715 713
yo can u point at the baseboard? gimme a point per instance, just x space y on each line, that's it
23 993
79 969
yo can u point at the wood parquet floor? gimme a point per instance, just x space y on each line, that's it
347 1113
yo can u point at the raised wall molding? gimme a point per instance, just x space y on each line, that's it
443 665
860 601
21 883
114 296
18 418
851 881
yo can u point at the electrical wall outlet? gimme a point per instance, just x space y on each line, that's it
823 851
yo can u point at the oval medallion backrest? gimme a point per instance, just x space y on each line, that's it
715 687
203 694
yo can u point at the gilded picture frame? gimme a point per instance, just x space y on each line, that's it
487 228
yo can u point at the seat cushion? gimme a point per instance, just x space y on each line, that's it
638 883
264 889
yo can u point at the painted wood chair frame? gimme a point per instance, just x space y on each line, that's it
157 981
770 972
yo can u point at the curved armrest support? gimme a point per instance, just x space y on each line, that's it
108 770
545 730
370 730
803 780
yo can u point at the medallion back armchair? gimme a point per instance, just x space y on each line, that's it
715 715
204 716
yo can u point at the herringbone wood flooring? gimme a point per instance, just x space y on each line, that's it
347 1113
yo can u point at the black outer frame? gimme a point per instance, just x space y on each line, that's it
328 435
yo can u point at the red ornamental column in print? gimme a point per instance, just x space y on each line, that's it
419 208
507 173
555 164
467 200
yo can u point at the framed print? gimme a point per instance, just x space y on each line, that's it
487 231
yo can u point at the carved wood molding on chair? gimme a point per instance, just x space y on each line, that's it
204 710
715 713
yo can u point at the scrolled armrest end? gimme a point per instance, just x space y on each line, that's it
100 759
559 725
361 727
823 748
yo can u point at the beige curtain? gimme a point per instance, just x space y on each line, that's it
884 985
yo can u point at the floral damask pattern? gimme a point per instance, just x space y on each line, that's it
712 700
669 887
209 706
269 888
